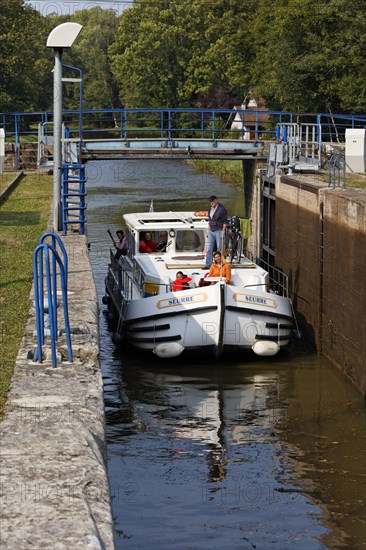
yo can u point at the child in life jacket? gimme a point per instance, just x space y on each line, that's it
181 281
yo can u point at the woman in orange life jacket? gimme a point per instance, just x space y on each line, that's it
181 281
219 268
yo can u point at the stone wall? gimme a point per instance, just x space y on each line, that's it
344 294
54 483
321 246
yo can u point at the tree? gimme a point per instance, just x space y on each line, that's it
150 54
218 74
185 53
311 59
90 53
23 56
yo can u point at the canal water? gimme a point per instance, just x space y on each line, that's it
240 454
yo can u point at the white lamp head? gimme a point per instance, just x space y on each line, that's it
63 35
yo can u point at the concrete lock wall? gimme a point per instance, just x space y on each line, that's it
321 246
53 476
344 295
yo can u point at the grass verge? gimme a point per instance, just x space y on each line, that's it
231 172
6 179
23 219
355 182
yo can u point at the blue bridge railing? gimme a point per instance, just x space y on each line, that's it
174 123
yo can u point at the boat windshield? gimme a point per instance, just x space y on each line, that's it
189 241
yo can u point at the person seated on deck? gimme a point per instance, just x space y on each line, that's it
181 282
121 246
163 241
147 245
219 268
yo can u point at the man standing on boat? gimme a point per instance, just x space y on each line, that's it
217 217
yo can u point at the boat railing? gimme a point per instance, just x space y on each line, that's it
127 285
278 280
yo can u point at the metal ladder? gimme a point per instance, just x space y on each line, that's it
73 196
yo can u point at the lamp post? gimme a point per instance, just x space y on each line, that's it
62 36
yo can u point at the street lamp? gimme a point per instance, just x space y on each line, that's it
62 36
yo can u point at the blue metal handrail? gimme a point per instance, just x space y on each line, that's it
336 170
56 240
41 258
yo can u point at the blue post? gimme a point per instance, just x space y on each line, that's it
64 302
37 304
52 303
169 126
17 139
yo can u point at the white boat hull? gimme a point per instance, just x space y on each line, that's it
220 317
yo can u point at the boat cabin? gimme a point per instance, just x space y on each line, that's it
165 233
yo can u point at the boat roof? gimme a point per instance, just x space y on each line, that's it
164 220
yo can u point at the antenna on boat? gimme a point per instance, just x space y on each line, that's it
151 209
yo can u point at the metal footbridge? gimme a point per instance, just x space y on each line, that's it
286 141
181 148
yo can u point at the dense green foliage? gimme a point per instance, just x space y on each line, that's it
90 53
23 34
312 55
299 55
183 54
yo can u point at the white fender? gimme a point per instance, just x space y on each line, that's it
265 348
168 349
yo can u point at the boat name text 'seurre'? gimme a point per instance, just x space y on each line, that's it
184 300
259 301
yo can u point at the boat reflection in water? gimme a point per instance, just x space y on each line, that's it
207 449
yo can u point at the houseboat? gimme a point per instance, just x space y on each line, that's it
154 314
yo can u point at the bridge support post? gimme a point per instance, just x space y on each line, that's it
249 166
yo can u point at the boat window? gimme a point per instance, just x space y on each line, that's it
148 242
154 241
192 241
